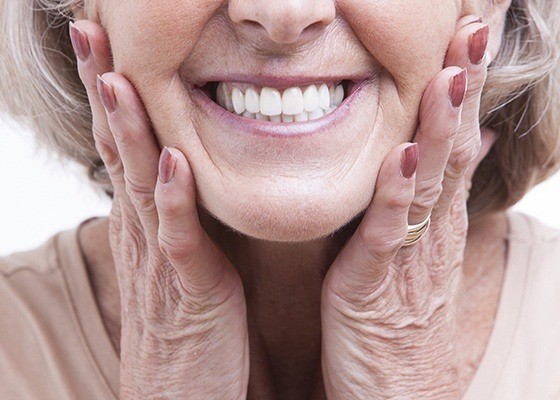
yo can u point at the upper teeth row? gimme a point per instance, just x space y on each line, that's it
271 104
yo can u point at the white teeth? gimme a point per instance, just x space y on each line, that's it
291 105
252 101
310 98
261 117
301 117
287 118
324 97
331 95
238 100
292 101
338 95
271 102
316 114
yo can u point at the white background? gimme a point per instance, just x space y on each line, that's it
39 197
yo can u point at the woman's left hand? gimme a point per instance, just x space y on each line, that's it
388 312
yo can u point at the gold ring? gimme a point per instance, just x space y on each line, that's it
416 232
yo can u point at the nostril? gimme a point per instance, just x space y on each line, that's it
314 27
284 22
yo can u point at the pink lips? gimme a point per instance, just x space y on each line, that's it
268 128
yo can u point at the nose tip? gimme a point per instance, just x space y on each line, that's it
284 21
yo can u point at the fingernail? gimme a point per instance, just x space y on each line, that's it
107 95
472 20
409 161
167 165
458 88
475 20
80 43
478 42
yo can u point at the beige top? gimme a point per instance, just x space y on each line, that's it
53 344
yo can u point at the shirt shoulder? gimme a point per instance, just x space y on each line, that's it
45 353
526 228
525 349
39 261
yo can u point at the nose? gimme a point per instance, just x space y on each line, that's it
283 21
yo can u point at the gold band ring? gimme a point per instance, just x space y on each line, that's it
416 232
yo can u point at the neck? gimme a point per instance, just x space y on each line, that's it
282 283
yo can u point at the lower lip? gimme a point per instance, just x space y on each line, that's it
276 129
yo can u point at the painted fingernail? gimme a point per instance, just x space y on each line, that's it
167 165
107 95
478 42
458 88
80 43
409 161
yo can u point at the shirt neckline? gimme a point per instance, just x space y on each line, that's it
511 300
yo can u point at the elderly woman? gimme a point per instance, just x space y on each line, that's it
289 184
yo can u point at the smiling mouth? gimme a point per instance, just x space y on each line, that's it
288 105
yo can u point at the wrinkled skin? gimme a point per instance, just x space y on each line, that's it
388 314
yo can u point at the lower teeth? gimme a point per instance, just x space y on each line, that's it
304 116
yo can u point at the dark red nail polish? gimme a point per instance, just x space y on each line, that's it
107 95
458 88
167 165
478 42
409 161
80 43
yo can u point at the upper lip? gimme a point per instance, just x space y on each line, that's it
279 82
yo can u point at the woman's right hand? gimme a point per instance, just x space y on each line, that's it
183 313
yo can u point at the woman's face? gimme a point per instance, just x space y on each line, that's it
282 180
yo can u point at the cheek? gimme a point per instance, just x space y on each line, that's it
410 41
152 38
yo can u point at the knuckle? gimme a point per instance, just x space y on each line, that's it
108 152
399 201
142 197
125 137
178 248
103 138
133 246
428 195
382 246
170 205
114 166
463 156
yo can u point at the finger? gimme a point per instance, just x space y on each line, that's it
467 49
362 264
201 266
439 119
94 57
136 144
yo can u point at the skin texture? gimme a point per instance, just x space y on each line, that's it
317 184
181 274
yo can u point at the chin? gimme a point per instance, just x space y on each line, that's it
297 217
